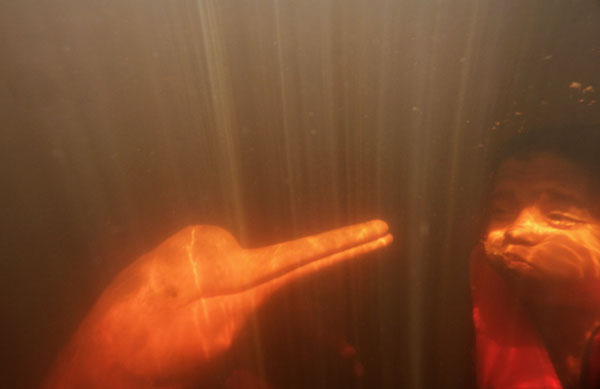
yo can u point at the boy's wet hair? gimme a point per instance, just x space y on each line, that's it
577 144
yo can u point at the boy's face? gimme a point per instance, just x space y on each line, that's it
543 232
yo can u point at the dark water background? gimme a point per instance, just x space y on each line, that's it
123 121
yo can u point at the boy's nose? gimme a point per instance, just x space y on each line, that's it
526 230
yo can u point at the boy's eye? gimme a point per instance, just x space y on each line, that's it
563 220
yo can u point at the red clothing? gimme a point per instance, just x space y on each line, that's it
509 350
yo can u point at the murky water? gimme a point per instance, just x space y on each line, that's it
123 122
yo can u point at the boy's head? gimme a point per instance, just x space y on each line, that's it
543 224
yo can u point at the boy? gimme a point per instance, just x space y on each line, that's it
536 281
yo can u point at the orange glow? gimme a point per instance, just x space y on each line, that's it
180 305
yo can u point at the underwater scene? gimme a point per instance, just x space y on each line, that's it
300 194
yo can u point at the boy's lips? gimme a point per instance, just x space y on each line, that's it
517 262
511 260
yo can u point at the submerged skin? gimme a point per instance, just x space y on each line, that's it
543 236
177 308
